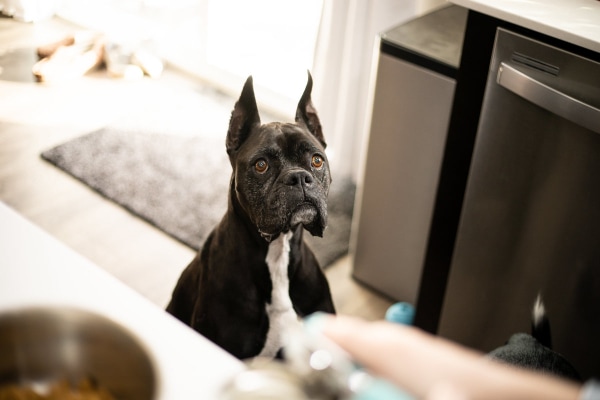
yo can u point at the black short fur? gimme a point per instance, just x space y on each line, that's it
223 292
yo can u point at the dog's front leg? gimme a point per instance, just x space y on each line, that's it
309 291
239 326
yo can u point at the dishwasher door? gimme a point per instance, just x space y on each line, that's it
531 218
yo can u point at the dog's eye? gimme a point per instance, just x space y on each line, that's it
317 161
261 166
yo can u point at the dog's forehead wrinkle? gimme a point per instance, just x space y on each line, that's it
270 152
298 149
288 137
284 131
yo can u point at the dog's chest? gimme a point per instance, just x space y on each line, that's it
280 310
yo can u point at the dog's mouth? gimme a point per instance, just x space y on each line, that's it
304 214
312 217
307 214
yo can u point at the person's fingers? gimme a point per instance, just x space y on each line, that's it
376 344
445 391
419 362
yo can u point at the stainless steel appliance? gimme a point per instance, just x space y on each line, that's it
416 79
531 217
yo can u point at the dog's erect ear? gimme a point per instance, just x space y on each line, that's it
307 114
244 117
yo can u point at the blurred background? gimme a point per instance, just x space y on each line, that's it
224 41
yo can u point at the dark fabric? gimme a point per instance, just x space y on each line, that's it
525 351
179 183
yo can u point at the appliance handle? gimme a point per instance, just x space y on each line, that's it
548 98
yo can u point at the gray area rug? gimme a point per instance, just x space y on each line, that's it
179 183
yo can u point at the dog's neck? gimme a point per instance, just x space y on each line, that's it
280 310
238 216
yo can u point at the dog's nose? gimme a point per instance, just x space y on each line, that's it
298 177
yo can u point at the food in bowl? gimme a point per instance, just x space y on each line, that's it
62 351
59 390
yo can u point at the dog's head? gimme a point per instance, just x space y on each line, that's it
281 174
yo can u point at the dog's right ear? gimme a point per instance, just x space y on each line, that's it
244 117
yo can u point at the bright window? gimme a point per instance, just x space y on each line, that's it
222 41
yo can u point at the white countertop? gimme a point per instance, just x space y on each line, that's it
37 270
574 21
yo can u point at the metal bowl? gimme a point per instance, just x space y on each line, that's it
43 345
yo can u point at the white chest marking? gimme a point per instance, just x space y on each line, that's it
280 311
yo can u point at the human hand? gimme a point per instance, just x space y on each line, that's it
430 367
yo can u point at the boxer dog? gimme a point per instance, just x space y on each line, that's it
255 275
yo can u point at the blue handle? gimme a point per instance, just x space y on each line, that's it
400 313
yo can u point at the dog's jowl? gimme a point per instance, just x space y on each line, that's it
255 275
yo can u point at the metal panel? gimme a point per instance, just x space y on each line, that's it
531 216
410 118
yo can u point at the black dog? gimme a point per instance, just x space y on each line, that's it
255 275
535 351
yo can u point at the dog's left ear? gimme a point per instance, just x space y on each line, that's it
244 118
307 114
